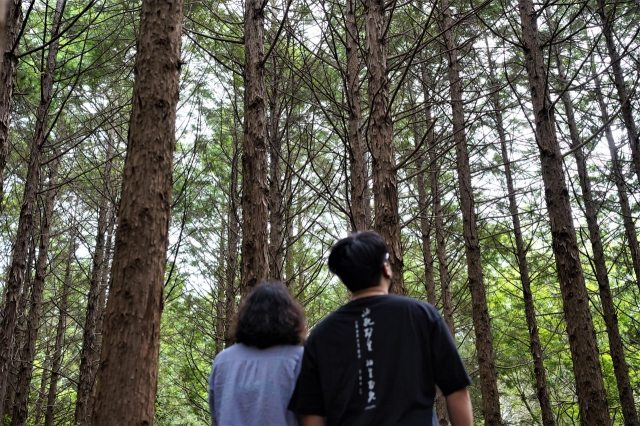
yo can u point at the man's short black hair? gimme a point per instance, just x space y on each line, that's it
269 316
357 260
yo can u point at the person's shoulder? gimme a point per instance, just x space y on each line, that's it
324 328
287 351
229 354
240 351
395 299
411 304
324 324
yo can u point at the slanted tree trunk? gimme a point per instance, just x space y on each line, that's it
56 361
7 76
358 173
621 87
25 222
592 400
255 215
19 417
128 372
21 325
535 347
618 178
616 347
90 355
480 312
385 179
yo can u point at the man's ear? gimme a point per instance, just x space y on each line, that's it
386 270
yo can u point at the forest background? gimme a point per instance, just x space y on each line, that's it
493 144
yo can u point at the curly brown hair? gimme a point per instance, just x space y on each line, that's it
269 316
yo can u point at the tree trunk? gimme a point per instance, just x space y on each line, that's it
104 283
385 179
434 177
289 249
128 372
425 232
535 347
480 312
19 417
425 222
7 76
44 379
90 354
623 95
25 222
610 318
56 361
233 234
21 326
276 227
255 215
618 177
217 316
358 176
582 339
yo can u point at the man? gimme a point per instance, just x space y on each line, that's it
377 359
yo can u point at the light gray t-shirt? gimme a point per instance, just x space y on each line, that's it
251 386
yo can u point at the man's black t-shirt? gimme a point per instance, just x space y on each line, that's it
376 361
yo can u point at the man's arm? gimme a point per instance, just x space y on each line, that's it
459 408
312 420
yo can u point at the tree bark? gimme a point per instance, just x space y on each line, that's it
255 215
621 87
90 354
104 283
20 408
44 380
56 361
434 178
276 224
618 178
385 179
108 250
425 222
21 326
425 234
25 222
128 372
7 77
535 347
616 347
233 231
480 312
592 400
358 173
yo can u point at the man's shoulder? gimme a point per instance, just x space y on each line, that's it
385 305
397 302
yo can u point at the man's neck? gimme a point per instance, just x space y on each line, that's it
379 290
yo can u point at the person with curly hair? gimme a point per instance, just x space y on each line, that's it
251 382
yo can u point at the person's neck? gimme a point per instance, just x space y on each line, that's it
379 290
